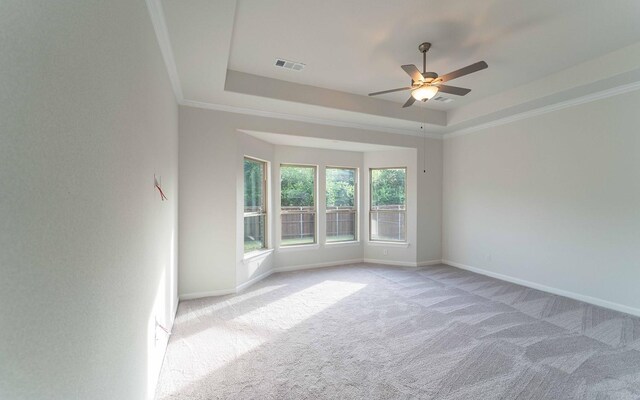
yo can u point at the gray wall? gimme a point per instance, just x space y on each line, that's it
553 200
88 250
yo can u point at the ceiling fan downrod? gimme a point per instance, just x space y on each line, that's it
424 47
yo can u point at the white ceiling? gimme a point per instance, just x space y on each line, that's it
220 54
357 46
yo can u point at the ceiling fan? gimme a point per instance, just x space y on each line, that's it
425 85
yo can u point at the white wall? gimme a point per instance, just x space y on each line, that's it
553 200
400 253
210 142
88 257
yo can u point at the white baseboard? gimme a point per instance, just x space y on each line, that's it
426 263
403 263
391 262
224 292
164 343
560 292
198 295
252 281
175 313
319 265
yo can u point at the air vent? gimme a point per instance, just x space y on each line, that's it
293 65
442 99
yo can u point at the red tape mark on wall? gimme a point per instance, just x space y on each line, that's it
162 196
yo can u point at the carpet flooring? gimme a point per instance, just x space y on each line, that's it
374 332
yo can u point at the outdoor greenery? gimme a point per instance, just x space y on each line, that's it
388 187
253 187
341 184
297 186
254 196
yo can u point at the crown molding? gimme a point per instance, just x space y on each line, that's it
162 34
603 94
310 120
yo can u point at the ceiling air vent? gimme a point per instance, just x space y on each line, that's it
442 99
293 65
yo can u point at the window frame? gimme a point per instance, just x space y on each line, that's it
355 210
406 197
265 200
313 211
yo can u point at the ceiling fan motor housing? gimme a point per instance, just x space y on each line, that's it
430 75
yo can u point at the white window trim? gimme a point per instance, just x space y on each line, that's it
298 247
252 255
265 194
380 243
344 243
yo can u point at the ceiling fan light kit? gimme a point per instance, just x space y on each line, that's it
424 93
425 85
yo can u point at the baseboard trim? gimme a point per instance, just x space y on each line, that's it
560 292
391 262
198 295
319 265
427 263
253 281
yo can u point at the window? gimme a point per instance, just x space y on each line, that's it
255 207
342 208
298 204
388 204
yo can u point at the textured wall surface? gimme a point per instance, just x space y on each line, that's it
552 200
88 250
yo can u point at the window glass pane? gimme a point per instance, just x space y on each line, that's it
253 186
254 203
341 226
297 200
387 216
254 228
297 186
388 189
341 204
341 185
298 228
388 225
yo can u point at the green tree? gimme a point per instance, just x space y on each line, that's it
340 187
297 186
253 188
388 187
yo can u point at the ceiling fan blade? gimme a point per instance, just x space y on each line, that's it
458 91
409 102
413 72
390 91
480 65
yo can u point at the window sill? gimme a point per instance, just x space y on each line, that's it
388 244
256 254
341 244
299 247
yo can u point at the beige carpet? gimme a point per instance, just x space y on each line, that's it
372 332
